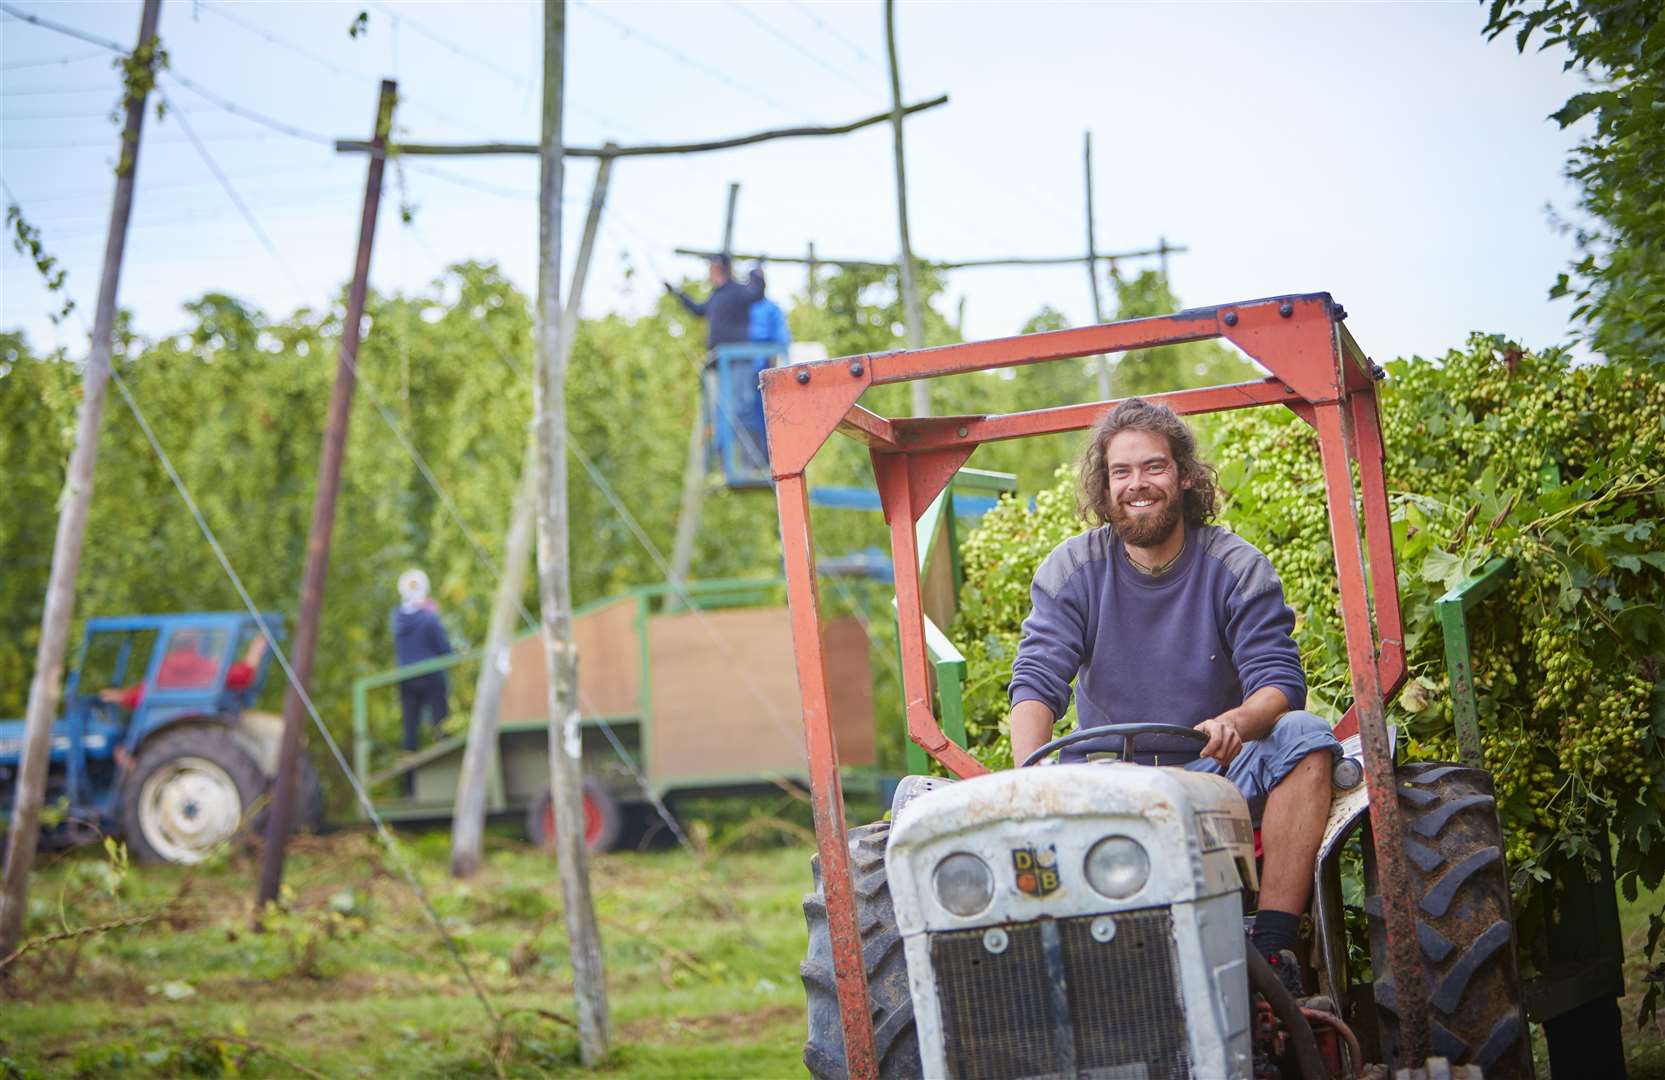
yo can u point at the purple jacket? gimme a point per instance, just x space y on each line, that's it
1177 648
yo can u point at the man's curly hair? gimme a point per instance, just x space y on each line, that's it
1198 480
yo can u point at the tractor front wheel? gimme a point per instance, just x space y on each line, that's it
191 790
603 820
895 1039
1454 859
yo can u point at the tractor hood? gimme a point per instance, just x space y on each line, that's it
1036 828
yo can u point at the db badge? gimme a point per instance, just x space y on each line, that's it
1037 870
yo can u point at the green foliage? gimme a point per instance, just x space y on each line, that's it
27 243
138 78
1171 367
1618 285
1000 558
1493 451
1048 318
238 402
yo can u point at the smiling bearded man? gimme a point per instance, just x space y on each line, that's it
1157 616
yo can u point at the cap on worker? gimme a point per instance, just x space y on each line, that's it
413 587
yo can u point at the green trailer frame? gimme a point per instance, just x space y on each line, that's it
937 534
511 788
434 767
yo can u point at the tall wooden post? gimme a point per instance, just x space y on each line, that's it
693 470
911 310
554 581
468 817
728 219
46 689
813 267
1103 362
323 520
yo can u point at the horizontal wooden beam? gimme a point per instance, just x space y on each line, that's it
963 264
1061 260
359 146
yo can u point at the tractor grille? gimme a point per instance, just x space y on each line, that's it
1123 1016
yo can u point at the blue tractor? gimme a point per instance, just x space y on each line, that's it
158 743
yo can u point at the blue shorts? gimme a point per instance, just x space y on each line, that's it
1262 764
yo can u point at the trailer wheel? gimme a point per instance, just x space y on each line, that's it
191 790
603 820
309 800
895 1040
1454 858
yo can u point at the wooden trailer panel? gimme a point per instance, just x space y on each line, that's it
725 702
609 667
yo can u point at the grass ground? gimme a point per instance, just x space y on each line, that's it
701 953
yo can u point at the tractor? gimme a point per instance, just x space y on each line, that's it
158 743
1087 920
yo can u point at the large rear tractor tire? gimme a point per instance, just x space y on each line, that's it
192 790
1454 856
603 820
895 1039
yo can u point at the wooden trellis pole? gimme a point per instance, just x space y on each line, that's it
468 816
915 317
589 983
1101 362
323 522
46 689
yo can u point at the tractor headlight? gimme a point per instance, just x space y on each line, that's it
964 883
1118 867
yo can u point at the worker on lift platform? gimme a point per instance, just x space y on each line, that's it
727 311
735 315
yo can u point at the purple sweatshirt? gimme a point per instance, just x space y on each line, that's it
1176 648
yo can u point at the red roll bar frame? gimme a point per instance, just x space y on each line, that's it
1319 373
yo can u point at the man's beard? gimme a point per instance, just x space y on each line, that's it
1146 529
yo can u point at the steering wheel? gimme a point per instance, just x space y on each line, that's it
1126 732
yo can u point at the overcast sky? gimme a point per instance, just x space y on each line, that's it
1383 152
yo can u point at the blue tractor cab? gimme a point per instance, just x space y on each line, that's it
158 742
737 447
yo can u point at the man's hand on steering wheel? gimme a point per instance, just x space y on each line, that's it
1224 743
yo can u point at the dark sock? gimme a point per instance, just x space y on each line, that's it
1275 931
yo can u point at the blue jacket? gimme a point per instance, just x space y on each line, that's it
768 324
419 635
